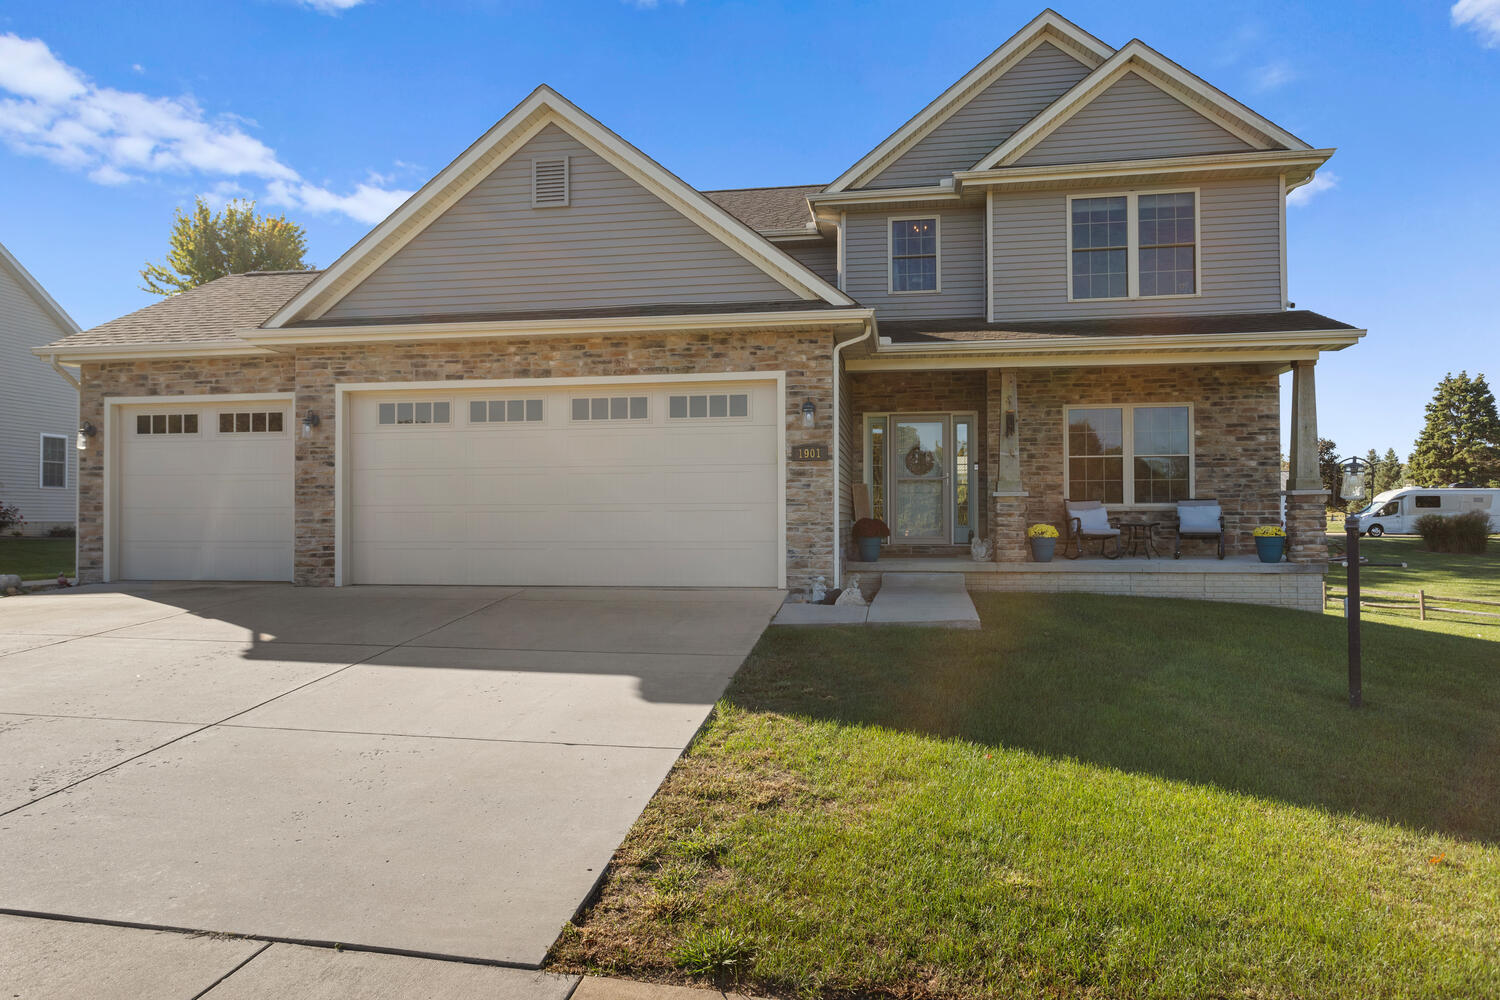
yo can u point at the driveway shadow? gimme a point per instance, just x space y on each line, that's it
1245 698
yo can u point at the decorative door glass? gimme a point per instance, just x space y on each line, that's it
920 466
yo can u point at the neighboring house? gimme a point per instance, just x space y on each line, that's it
38 460
559 364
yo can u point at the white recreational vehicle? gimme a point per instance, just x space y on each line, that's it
1396 511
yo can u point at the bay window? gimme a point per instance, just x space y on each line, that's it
1129 455
1131 246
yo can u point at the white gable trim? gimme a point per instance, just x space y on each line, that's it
47 303
542 108
1156 69
1048 26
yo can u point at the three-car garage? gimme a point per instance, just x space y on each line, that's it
675 482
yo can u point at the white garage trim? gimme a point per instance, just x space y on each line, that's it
113 434
342 425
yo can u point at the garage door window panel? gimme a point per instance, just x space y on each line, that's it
252 422
607 408
152 424
709 406
505 411
414 413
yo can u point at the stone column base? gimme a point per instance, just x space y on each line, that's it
1306 526
1008 528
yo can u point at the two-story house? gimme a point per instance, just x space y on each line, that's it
557 363
38 467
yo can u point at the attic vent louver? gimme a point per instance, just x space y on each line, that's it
549 182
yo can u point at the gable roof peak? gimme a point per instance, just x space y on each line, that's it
545 106
1135 56
1048 26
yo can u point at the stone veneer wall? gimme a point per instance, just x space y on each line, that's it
1236 423
922 392
313 372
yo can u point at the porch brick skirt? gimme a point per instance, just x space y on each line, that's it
1008 529
1306 528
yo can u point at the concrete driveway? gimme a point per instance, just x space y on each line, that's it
437 771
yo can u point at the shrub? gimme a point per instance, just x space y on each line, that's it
62 531
1466 533
10 515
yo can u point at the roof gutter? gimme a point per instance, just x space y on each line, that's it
69 376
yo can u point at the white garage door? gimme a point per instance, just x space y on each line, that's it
205 492
653 485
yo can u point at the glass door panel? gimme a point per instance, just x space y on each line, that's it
919 459
964 509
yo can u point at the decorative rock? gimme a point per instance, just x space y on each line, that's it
10 583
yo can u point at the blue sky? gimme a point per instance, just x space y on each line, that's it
330 110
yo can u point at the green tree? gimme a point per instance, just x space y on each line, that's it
1328 471
1389 472
204 246
1461 439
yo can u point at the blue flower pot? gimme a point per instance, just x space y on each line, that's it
1042 549
869 549
1270 548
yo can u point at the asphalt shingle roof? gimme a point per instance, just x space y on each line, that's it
938 332
769 209
208 314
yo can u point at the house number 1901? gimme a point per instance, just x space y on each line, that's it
809 453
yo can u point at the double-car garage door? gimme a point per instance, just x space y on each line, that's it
661 484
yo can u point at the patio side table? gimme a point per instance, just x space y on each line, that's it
1142 537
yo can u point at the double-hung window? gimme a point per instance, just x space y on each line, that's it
1130 454
54 461
1130 246
914 254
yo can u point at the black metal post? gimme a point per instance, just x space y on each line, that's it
1351 553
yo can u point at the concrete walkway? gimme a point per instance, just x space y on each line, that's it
937 599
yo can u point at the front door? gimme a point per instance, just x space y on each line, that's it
921 462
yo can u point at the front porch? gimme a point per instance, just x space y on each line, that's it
1240 579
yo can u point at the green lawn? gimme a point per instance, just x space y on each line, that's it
1092 797
37 558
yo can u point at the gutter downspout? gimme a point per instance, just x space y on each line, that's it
838 442
57 367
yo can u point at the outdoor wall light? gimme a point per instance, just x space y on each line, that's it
809 414
85 431
309 422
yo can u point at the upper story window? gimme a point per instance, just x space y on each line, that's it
914 254
1133 245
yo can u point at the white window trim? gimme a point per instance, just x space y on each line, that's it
890 252
41 462
1133 243
1127 428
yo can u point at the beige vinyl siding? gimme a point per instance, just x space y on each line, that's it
821 259
1132 119
1240 244
37 402
614 244
960 266
987 120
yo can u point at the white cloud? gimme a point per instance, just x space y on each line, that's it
331 6
116 136
1482 16
1272 75
1323 182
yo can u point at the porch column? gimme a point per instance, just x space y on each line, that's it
1306 498
1007 497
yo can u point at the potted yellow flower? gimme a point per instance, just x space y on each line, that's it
1043 539
1270 543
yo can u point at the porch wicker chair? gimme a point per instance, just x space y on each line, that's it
1199 519
1087 521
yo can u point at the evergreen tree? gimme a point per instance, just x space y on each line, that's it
1460 442
1329 472
1390 473
204 246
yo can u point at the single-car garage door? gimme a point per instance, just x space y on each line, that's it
650 485
204 492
